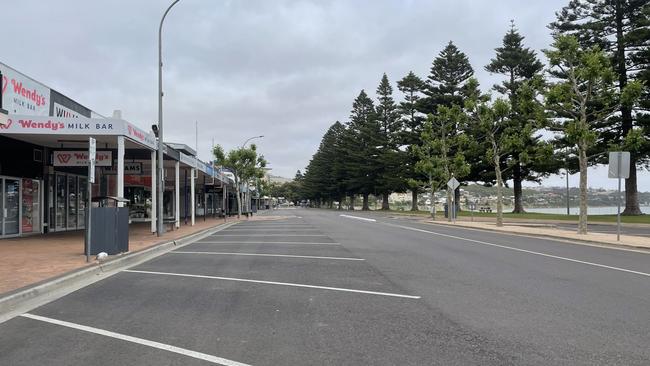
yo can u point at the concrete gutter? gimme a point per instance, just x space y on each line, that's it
39 294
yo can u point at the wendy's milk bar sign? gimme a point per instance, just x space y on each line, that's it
80 158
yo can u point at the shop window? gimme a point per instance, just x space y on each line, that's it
38 155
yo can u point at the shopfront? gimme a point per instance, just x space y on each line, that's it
67 199
20 204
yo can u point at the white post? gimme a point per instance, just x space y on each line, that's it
177 200
619 156
153 192
120 168
192 178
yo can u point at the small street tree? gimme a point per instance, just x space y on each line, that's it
491 120
441 155
246 165
429 162
581 96
621 28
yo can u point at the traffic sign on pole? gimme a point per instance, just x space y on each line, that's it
453 183
92 156
619 168
619 164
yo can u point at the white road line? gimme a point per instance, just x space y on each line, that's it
358 218
269 255
522 250
274 283
144 342
264 242
275 225
256 229
213 235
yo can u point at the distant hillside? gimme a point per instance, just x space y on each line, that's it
555 196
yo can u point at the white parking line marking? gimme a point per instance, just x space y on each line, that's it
358 218
522 250
256 229
264 242
274 283
269 255
267 235
144 342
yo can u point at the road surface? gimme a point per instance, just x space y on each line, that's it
326 289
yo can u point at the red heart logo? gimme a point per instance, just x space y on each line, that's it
5 82
64 158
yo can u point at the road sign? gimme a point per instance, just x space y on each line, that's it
92 156
453 183
619 164
619 167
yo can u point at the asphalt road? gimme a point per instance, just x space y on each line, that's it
325 289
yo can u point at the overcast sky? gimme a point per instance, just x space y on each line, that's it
283 69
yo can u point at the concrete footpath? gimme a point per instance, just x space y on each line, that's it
544 229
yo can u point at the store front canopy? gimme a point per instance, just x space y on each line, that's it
57 132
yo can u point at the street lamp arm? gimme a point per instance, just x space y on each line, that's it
251 138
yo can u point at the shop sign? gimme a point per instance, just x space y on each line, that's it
137 180
38 125
139 135
65 112
131 168
22 95
80 158
188 160
44 125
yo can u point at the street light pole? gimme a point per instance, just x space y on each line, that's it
161 168
243 146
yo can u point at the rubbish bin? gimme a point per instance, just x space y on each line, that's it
446 210
109 226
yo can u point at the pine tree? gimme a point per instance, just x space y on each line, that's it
412 86
391 159
447 81
361 145
621 29
448 85
520 64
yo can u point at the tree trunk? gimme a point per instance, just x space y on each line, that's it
238 202
414 199
631 194
340 203
516 185
457 200
384 202
365 206
351 208
497 172
582 220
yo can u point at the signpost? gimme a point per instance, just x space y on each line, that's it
92 155
619 168
453 184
